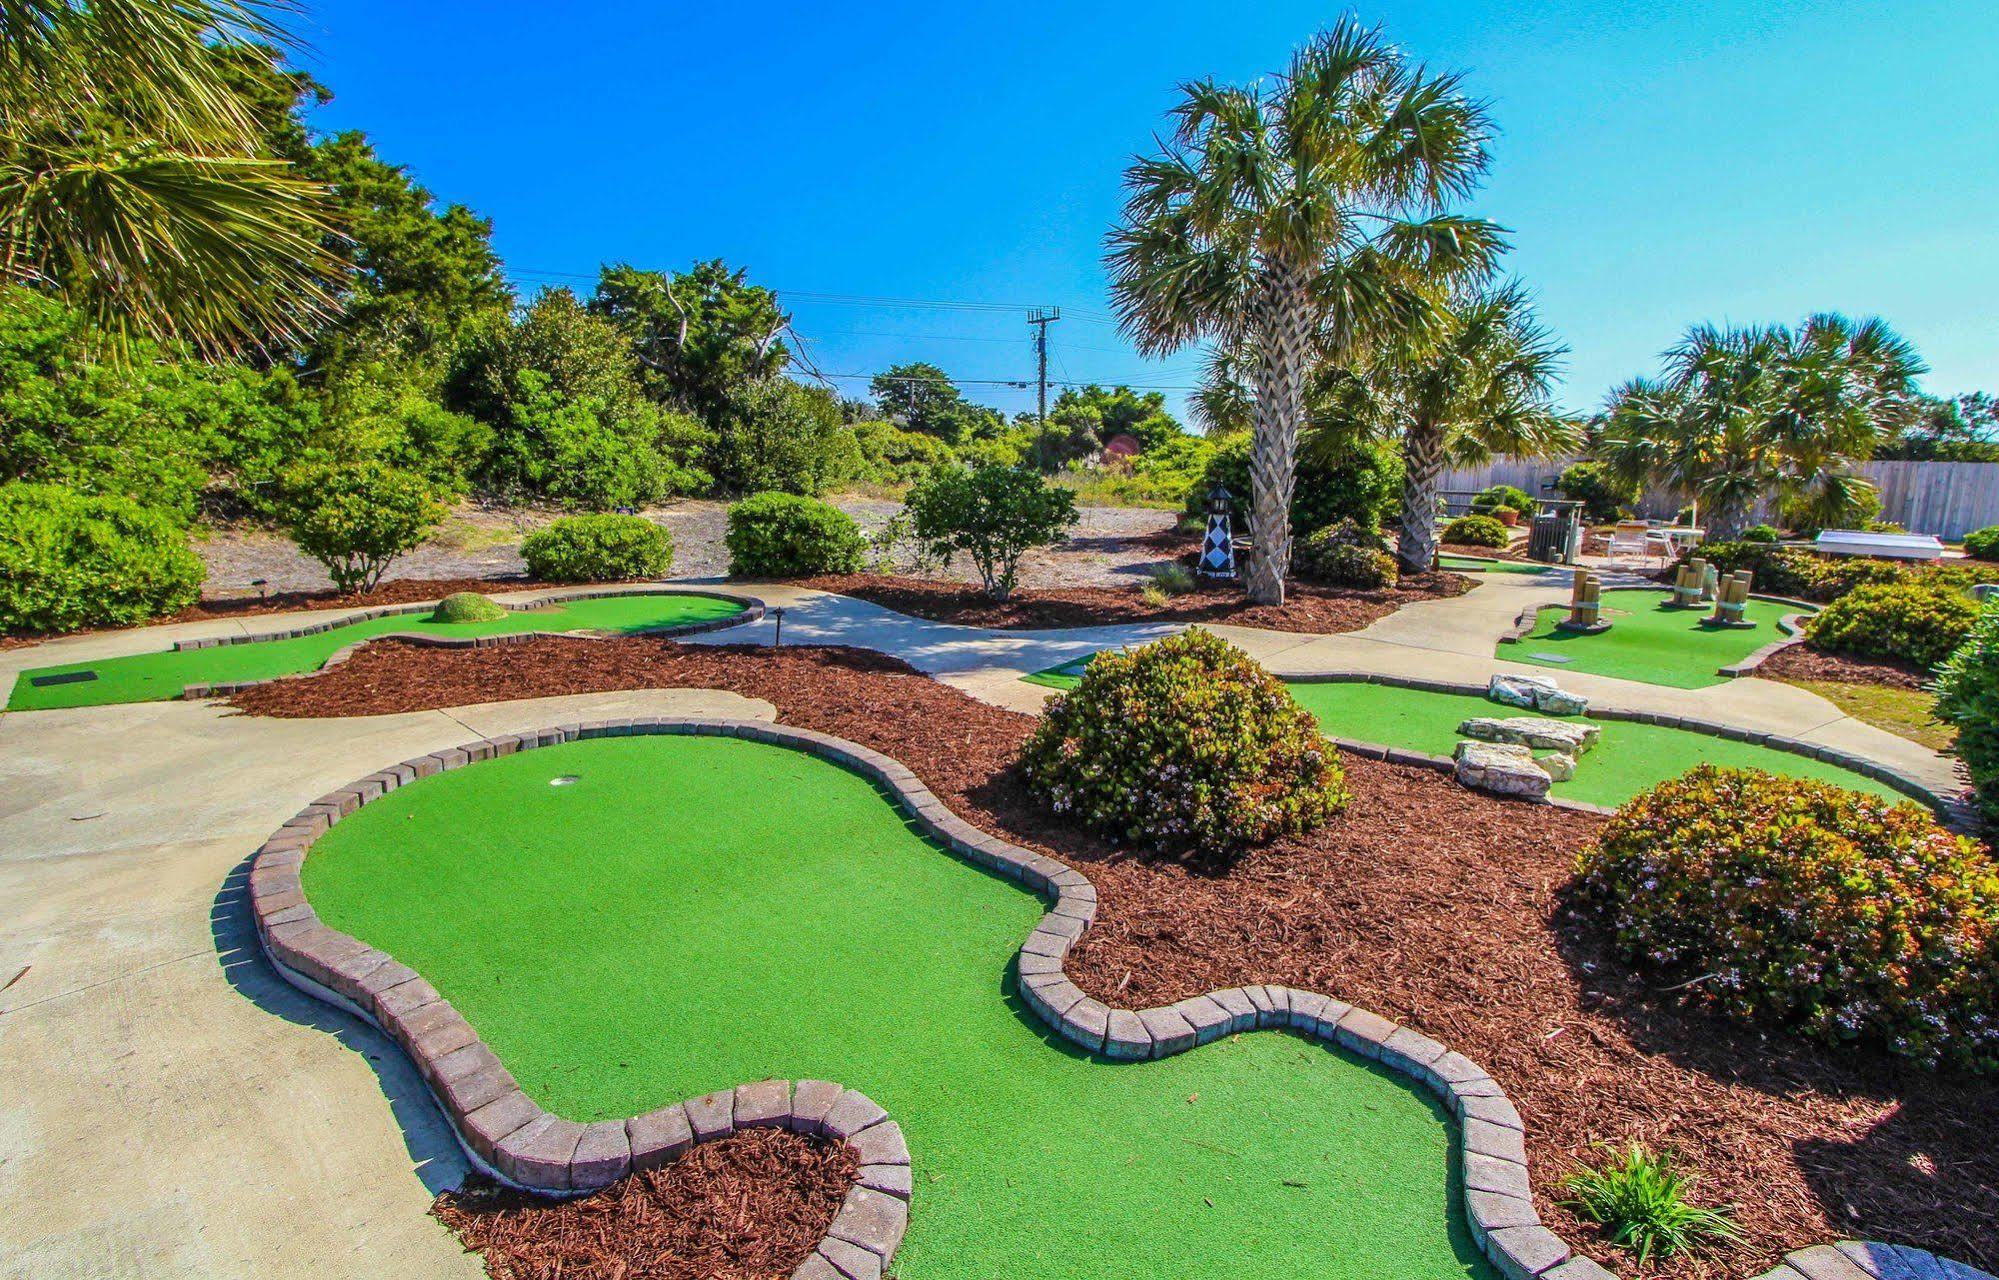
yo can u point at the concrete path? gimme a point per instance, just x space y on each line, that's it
169 1107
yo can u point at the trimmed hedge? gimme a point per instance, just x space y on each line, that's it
1476 531
1968 697
1982 544
784 535
1805 905
1795 571
466 606
1345 555
1762 533
598 548
1502 497
1185 745
70 560
1913 621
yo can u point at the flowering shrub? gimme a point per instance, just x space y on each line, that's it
1185 745
1346 555
1910 620
1806 905
1476 531
1968 697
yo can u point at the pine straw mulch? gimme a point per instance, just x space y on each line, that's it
747 1207
1307 608
396 591
1423 902
1802 662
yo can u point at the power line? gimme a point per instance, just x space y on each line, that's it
854 299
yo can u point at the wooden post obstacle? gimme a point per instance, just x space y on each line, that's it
1731 601
1585 605
1695 583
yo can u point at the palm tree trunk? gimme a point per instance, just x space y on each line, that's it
1726 521
1284 339
1422 469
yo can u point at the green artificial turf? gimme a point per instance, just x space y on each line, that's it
692 913
1465 564
152 677
1627 759
1649 640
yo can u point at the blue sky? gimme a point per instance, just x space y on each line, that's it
1658 164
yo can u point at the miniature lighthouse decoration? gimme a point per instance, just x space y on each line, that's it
1218 550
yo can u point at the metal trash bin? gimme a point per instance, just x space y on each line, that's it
1556 534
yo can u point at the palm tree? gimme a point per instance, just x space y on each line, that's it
1744 415
1297 221
1475 384
130 177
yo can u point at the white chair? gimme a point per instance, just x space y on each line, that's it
1631 538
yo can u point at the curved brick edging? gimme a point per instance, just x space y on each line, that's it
1951 808
507 1134
1793 627
753 611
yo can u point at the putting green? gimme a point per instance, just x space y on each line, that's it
1650 641
1627 759
152 677
1465 564
691 913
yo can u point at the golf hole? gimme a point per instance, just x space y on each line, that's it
566 780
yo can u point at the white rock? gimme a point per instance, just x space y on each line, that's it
1503 768
1519 691
1567 736
1557 702
1561 766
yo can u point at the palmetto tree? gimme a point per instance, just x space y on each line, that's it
1742 415
1475 383
130 180
1298 220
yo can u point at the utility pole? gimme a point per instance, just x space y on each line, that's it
1041 318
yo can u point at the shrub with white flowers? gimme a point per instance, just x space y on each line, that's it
1802 904
1186 746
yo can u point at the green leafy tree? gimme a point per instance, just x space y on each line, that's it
698 335
993 515
1087 418
356 519
921 397
133 181
1300 219
1742 415
1960 429
70 560
778 436
1474 383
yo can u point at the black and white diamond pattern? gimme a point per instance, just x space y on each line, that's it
1218 551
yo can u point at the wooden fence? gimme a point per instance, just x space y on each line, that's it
1948 499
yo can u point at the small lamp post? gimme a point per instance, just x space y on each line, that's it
777 633
1218 549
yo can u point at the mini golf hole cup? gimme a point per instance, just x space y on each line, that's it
566 780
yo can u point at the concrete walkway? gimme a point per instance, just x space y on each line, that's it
169 1107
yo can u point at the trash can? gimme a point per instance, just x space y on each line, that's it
1553 537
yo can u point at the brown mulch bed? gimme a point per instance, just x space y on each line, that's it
747 1207
1423 902
396 591
1318 610
1518 552
1802 662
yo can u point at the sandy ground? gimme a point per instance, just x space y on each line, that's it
1105 549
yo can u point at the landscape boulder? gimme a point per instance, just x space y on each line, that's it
1535 693
1570 737
1503 768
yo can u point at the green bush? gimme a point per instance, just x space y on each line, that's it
1983 544
787 535
1187 746
1603 497
356 519
994 515
70 560
1968 697
1795 571
598 548
1641 1199
1801 904
1762 533
1913 621
1476 531
892 456
1359 484
1345 555
1503 497
466 606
